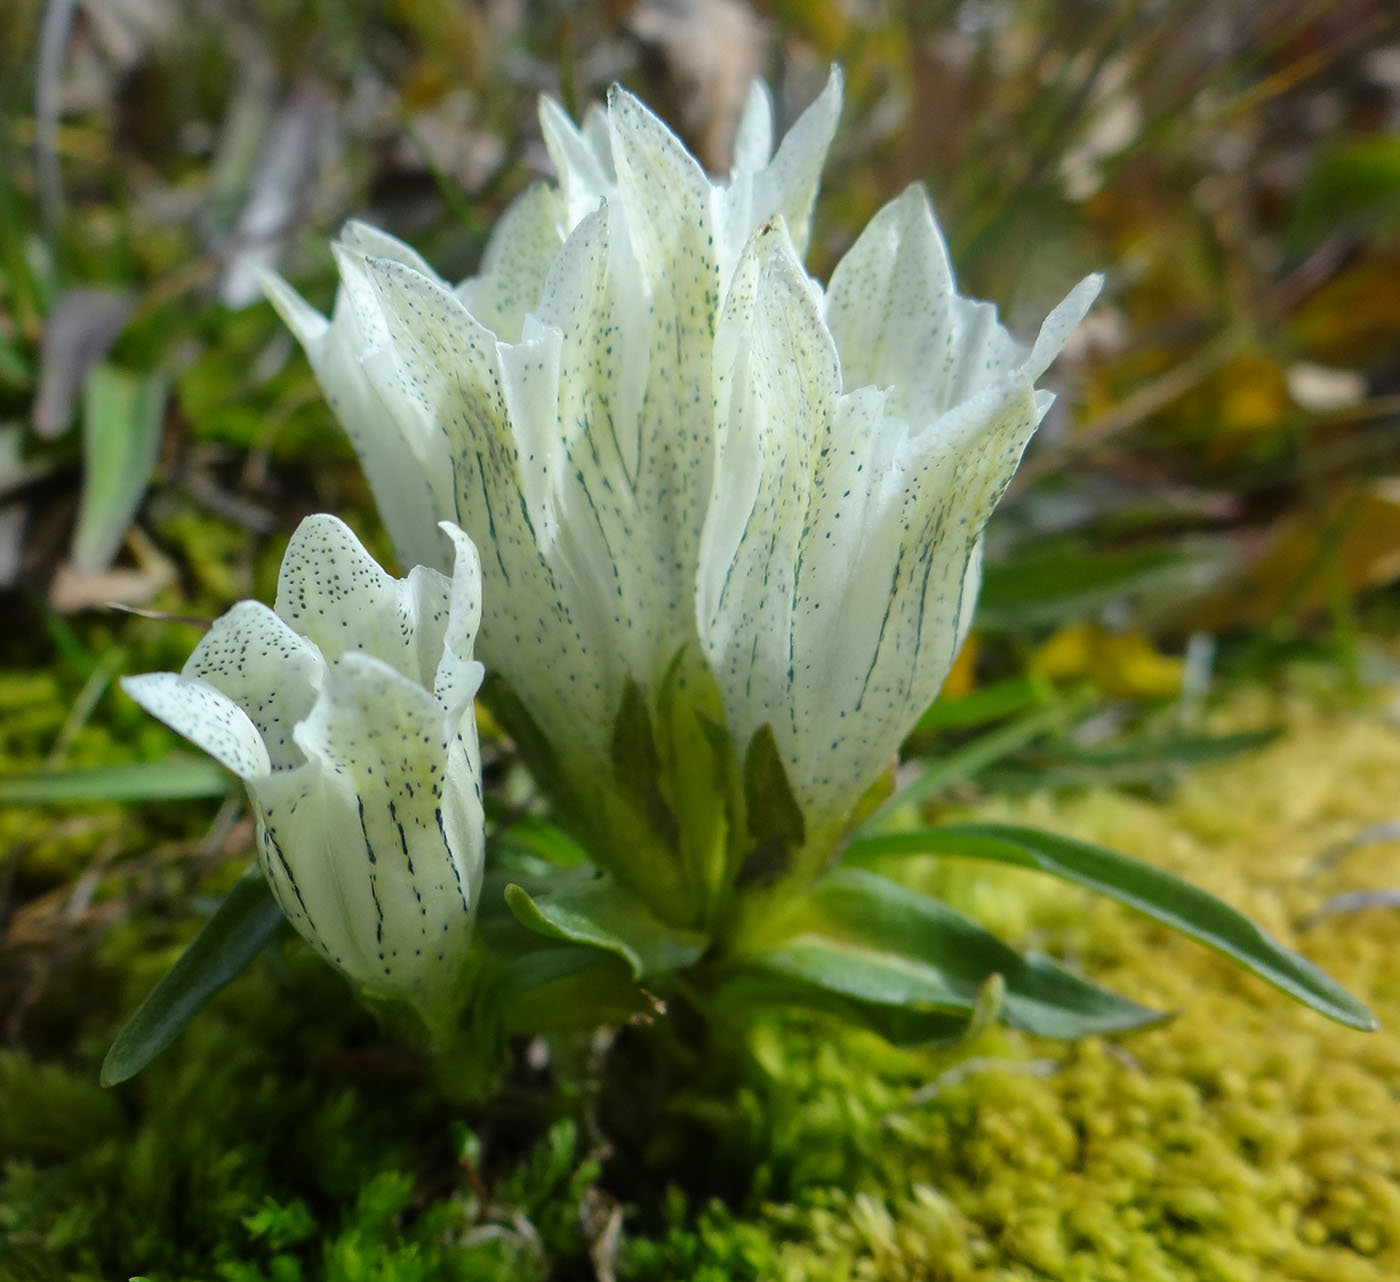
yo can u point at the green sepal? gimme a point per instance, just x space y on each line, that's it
775 822
872 941
229 940
601 914
637 765
1162 895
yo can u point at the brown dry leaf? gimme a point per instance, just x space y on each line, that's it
78 332
1352 545
73 589
713 49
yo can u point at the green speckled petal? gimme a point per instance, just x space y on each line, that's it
840 544
401 461
333 592
375 855
209 720
516 261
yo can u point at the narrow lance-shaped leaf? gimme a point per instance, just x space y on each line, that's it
1162 895
122 781
871 940
230 939
123 415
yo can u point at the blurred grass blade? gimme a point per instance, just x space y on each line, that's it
1056 586
1162 895
966 761
991 703
230 939
123 415
1186 750
127 781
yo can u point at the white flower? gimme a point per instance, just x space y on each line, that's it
668 440
347 713
863 435
559 405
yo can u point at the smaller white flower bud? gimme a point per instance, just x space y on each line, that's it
347 713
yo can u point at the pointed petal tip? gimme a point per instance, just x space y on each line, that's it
1061 323
467 554
308 326
835 82
206 717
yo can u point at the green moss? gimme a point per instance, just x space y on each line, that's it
278 1140
271 1143
1246 1140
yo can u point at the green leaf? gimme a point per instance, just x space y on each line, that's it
123 416
966 761
126 781
230 939
775 820
600 914
995 702
1162 895
749 992
531 835
874 941
1187 750
565 990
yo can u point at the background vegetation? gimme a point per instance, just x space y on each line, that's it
1184 648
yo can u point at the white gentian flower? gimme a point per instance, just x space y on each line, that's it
558 406
863 434
347 713
668 441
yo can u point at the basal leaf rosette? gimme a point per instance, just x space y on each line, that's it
347 713
729 519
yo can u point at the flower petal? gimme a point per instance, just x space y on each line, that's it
375 853
1060 324
273 674
333 592
503 460
786 185
209 720
515 263
890 309
666 201
777 378
834 613
753 136
397 456
582 160
458 675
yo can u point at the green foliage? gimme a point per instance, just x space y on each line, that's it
262 1149
245 920
1160 894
